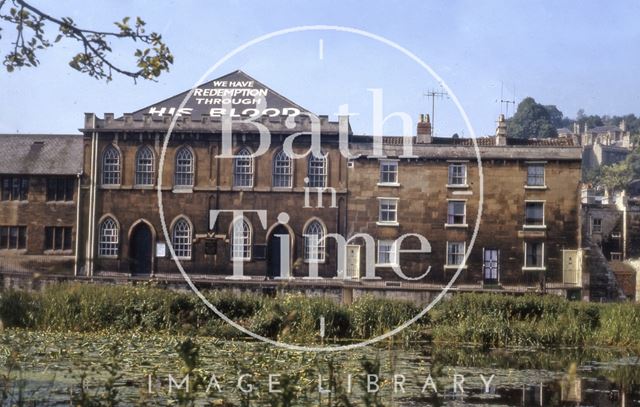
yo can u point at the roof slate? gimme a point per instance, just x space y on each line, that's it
41 154
463 148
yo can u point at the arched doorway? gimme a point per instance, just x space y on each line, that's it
141 249
275 261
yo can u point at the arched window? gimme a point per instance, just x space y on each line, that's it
241 240
145 167
282 174
181 239
108 238
184 168
317 171
111 166
314 242
243 169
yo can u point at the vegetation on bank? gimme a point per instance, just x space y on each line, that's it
290 317
492 320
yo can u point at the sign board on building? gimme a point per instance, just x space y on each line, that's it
236 94
161 249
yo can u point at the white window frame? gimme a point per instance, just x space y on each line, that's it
244 171
451 178
464 251
184 168
183 243
542 164
526 225
111 172
394 171
245 241
282 168
109 246
321 249
145 167
392 253
381 202
593 226
534 268
464 220
317 170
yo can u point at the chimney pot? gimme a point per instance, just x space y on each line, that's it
423 133
501 131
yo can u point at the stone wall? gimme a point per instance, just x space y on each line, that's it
422 208
36 213
213 189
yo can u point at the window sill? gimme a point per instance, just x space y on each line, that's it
457 186
65 252
534 227
387 265
534 269
282 189
14 251
540 187
242 260
388 184
107 257
315 261
454 266
143 187
456 225
182 190
242 188
61 202
393 224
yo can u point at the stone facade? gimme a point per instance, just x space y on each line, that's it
424 192
528 237
38 194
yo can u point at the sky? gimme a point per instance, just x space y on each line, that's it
574 54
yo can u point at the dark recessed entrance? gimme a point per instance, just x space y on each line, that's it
279 236
140 249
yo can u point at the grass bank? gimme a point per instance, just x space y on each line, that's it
496 320
291 317
491 320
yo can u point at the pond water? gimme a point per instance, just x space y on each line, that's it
138 368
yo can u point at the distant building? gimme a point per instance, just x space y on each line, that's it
612 225
603 145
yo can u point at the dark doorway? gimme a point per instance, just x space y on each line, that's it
274 261
141 249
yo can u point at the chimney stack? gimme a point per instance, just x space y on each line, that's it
501 131
623 125
424 130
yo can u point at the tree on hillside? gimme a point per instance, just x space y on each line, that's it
617 177
555 115
590 120
532 120
94 57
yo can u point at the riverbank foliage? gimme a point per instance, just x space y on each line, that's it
496 320
286 317
490 320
